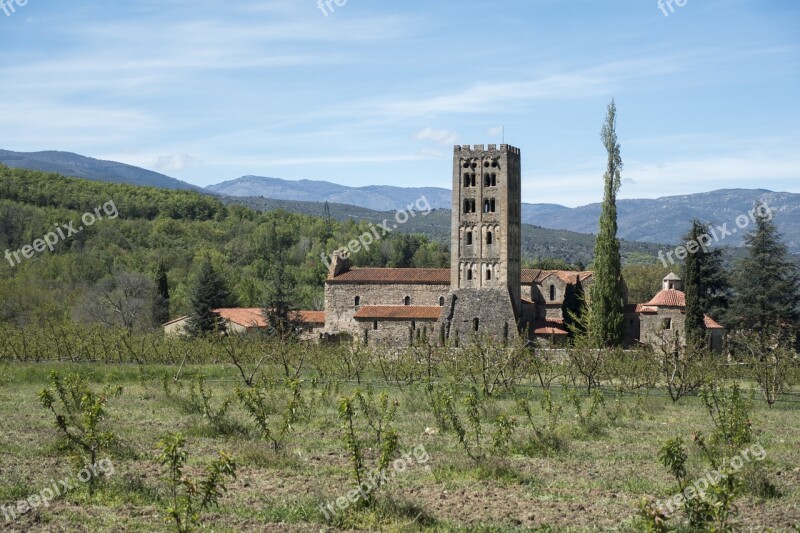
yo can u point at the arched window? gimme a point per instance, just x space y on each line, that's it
441 301
489 273
475 323
469 238
472 205
466 180
357 301
486 206
487 180
494 179
469 274
491 205
407 300
472 180
552 292
466 206
489 238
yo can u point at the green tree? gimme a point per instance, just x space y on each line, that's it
160 295
705 281
606 320
209 293
281 288
766 282
573 306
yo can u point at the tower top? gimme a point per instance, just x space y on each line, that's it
460 149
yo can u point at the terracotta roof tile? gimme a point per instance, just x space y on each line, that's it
408 312
175 320
567 276
668 298
549 327
711 323
640 308
425 276
254 317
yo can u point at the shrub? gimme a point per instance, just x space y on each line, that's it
79 412
188 497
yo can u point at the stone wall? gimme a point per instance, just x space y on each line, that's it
340 300
490 309
653 329
393 332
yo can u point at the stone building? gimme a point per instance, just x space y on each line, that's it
485 290
663 318
480 293
251 321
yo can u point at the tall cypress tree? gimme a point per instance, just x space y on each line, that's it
766 282
209 293
160 295
573 306
695 313
281 287
706 283
606 319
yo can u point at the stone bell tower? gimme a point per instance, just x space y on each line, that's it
485 244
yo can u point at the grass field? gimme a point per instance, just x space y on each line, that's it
593 479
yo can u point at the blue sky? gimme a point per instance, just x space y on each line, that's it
377 92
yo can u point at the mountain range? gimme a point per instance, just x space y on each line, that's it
660 220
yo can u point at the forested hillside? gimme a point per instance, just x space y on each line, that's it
104 273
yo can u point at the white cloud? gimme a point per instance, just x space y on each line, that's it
175 162
494 132
445 137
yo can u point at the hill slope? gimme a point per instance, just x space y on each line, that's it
69 164
537 242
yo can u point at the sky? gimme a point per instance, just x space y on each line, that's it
377 93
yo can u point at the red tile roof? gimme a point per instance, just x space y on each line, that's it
254 317
549 327
668 298
711 323
175 320
567 276
423 276
312 317
408 312
640 308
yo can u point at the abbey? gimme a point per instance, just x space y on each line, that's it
485 290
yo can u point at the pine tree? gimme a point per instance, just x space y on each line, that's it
209 293
766 282
606 321
160 295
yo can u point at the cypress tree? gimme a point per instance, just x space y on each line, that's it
766 282
695 313
606 319
573 307
706 283
160 295
209 293
281 287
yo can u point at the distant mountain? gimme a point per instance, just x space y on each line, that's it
377 197
537 242
79 166
667 219
662 220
